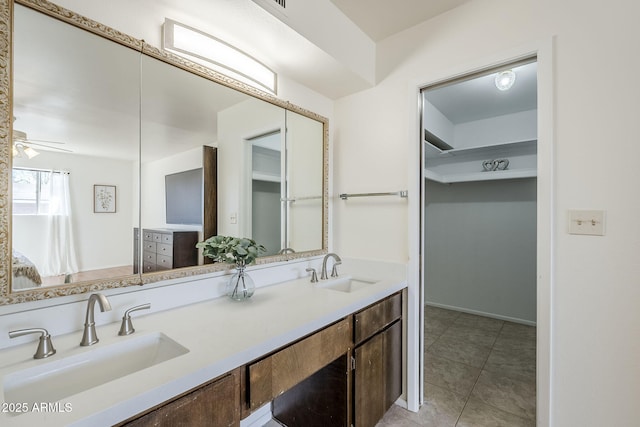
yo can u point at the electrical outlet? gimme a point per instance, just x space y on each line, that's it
234 218
586 222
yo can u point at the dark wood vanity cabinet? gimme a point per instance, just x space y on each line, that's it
214 404
347 374
355 389
377 374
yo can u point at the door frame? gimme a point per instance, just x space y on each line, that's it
544 51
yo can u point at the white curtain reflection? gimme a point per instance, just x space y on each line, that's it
61 254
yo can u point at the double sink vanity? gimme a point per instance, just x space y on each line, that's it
293 343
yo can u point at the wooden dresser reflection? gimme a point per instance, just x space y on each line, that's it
164 249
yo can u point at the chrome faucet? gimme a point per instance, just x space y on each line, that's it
334 270
89 336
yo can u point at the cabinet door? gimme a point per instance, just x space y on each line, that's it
377 375
369 382
216 404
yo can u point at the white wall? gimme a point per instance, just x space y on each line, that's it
521 126
102 240
595 285
480 247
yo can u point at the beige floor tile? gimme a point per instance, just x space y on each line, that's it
516 330
472 335
441 408
436 326
396 417
480 322
479 414
511 393
513 361
454 376
431 313
460 351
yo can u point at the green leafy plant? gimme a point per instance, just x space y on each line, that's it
236 250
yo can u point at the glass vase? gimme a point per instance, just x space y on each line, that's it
240 286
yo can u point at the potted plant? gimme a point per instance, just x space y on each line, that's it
238 251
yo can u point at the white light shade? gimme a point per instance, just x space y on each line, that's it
30 152
22 151
505 79
215 54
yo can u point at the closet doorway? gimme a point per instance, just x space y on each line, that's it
479 243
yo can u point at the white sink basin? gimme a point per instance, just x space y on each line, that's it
57 379
346 284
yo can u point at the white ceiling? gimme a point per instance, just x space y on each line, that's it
478 98
380 19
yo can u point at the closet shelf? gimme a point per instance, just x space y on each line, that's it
479 176
434 152
263 176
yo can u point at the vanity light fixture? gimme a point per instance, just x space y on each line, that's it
216 54
505 80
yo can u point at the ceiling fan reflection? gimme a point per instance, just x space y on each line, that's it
23 146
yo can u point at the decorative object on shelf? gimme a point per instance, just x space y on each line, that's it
239 251
501 164
104 198
488 165
494 165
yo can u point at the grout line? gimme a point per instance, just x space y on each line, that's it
477 379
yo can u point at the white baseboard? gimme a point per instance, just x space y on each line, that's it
482 313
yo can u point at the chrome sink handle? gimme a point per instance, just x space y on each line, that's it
126 328
314 275
45 346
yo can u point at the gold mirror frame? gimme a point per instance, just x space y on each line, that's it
6 114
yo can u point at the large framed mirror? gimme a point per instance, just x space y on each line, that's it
139 154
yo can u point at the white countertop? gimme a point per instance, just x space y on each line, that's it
220 334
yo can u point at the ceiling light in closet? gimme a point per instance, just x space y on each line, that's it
505 79
216 54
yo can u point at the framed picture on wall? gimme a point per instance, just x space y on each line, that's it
104 198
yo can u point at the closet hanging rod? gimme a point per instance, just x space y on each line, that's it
402 193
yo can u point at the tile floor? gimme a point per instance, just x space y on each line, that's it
479 372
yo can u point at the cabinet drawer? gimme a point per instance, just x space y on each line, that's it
149 247
148 267
166 238
277 373
157 237
149 257
376 317
164 249
164 262
147 235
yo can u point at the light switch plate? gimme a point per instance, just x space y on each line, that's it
586 222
